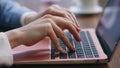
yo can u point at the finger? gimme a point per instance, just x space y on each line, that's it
78 29
51 10
56 10
65 24
68 15
74 23
73 16
73 31
62 36
57 20
54 38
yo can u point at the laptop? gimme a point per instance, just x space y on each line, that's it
97 45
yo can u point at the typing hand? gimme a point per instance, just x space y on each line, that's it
54 10
48 24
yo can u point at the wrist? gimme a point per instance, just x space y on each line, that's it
14 37
28 17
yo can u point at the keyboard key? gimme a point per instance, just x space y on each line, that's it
80 54
63 56
96 55
52 56
71 55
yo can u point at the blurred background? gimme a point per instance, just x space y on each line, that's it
40 5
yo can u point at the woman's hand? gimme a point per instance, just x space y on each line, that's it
54 10
47 25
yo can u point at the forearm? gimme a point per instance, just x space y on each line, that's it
10 14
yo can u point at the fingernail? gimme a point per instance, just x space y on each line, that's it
78 25
64 52
78 29
73 49
79 38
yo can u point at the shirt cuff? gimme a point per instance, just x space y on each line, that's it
24 15
6 55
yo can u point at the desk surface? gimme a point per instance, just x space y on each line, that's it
89 21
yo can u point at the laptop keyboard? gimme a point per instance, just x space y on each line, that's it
84 49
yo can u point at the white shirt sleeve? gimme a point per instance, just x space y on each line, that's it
6 55
24 15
